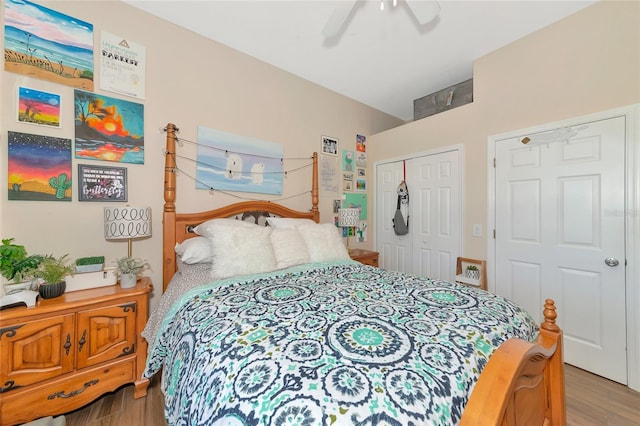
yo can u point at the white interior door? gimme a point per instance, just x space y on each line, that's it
435 214
560 230
395 250
435 218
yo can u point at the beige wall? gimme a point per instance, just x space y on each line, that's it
586 63
190 82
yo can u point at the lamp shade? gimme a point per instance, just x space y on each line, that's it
121 223
348 217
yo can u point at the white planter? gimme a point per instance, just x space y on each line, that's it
103 278
83 269
128 280
474 275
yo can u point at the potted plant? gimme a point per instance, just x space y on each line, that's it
472 272
89 264
53 271
128 269
17 266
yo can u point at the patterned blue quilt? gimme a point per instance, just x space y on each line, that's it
329 344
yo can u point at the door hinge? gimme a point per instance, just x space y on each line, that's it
494 234
494 162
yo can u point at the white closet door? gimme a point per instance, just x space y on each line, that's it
435 217
395 250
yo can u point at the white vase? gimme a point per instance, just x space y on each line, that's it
128 280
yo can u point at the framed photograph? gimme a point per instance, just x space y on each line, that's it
347 181
329 145
100 183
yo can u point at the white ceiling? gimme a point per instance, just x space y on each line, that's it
384 59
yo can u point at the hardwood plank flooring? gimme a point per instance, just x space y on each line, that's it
591 401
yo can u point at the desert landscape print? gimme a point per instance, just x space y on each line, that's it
45 44
39 167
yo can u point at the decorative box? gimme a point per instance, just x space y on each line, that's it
103 278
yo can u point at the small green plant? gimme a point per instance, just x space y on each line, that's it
92 260
130 265
53 270
15 263
472 268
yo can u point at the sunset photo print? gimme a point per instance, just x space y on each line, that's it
108 129
37 107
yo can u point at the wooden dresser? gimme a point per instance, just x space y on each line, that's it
65 352
364 256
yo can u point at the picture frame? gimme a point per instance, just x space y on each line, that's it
101 183
329 146
116 134
38 107
39 167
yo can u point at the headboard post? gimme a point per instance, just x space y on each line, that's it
169 214
170 169
314 189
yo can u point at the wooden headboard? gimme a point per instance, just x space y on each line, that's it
176 226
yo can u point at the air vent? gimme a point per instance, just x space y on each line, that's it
443 100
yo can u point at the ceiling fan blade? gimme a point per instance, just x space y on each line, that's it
424 11
338 18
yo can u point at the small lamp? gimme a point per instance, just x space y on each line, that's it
348 218
127 223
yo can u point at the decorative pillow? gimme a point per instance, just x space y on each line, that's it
289 248
287 222
195 250
241 250
205 228
324 242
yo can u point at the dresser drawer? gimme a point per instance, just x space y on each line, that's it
34 351
65 393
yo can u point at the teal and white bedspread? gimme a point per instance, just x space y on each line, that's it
328 344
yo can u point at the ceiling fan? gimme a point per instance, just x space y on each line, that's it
423 10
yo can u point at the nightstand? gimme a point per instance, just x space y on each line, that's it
367 257
65 352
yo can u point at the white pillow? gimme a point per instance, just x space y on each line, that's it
205 228
287 222
195 250
289 248
324 242
241 251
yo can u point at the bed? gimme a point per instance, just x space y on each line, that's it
295 336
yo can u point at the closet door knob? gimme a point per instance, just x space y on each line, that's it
611 261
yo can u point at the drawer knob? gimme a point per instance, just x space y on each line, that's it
67 344
82 340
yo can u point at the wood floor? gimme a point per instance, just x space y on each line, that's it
591 401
